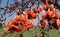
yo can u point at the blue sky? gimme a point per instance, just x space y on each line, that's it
3 4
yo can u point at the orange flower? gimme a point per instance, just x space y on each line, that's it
24 16
31 14
58 15
34 15
48 14
44 16
31 26
17 18
42 23
51 6
40 8
21 17
13 26
51 13
46 6
58 22
35 9
25 26
17 27
28 24
6 27
10 22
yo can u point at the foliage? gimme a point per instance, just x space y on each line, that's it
0 24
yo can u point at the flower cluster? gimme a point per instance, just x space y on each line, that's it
24 20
